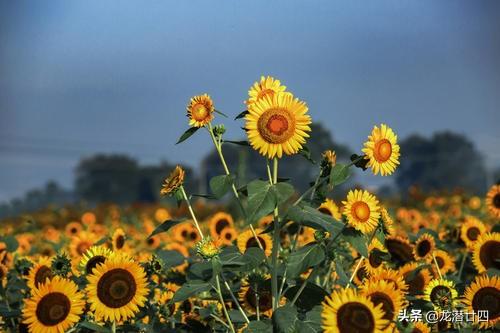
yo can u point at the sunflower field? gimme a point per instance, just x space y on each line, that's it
285 262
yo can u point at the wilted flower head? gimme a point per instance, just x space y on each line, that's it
172 183
329 158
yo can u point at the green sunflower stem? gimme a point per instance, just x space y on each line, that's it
191 211
224 309
113 327
462 264
437 266
276 243
235 300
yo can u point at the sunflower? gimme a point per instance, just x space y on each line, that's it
200 110
251 293
81 243
118 239
444 261
382 150
162 214
73 228
486 253
186 233
424 247
484 295
420 327
208 248
391 276
94 256
53 307
117 288
400 249
470 231
329 207
153 242
277 125
88 218
383 292
442 294
179 247
387 222
493 201
362 210
218 223
346 312
415 277
267 86
227 236
375 260
475 203
40 272
173 182
247 240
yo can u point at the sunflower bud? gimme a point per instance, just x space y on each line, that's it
219 130
61 264
329 158
207 248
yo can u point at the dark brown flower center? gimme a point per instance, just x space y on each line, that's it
53 309
489 254
265 299
252 242
93 262
441 296
487 298
440 262
400 251
387 304
424 247
116 288
42 275
120 242
375 259
417 284
496 200
221 225
325 211
354 317
473 233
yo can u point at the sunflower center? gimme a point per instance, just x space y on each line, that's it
375 259
355 317
361 211
473 233
228 236
417 284
496 200
116 288
93 262
265 299
383 150
325 211
120 242
489 254
487 298
423 248
252 242
53 308
400 251
441 296
221 225
42 275
387 304
276 125
199 112
440 262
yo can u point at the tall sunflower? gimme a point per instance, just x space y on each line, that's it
173 182
200 110
329 207
484 295
486 254
53 307
493 201
442 294
382 150
267 86
117 289
346 312
362 210
277 125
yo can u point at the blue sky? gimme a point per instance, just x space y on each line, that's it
79 77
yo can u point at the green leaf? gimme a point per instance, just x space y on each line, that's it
11 243
300 260
170 258
313 218
189 289
165 226
220 185
285 319
312 322
221 113
236 316
343 279
231 257
306 153
339 174
263 326
357 240
244 143
94 327
190 131
253 257
241 115
264 197
312 295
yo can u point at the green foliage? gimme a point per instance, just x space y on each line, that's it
191 288
166 226
302 259
187 134
311 217
220 185
263 198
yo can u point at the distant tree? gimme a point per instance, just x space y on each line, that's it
247 164
444 162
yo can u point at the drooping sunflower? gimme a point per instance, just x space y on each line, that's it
200 110
400 249
247 240
173 182
118 239
267 86
382 150
40 272
486 253
415 277
218 223
362 210
375 260
53 307
117 288
484 295
493 201
470 231
383 292
277 125
424 247
442 294
445 262
329 207
387 222
346 312
94 256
